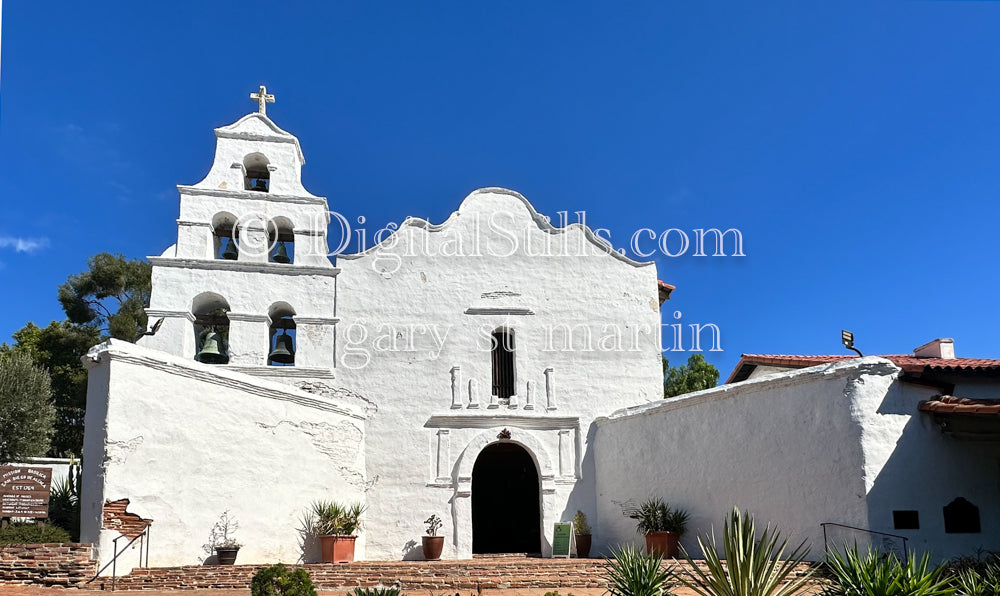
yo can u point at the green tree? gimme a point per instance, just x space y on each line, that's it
26 414
106 300
110 296
58 349
696 375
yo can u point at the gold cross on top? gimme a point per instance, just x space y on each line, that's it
262 98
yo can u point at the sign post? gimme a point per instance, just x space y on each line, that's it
24 491
562 535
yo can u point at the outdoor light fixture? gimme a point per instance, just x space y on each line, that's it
847 338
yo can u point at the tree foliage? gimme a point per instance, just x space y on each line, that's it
106 300
110 296
696 375
26 414
58 348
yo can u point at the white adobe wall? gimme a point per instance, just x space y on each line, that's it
786 447
911 465
185 442
841 443
424 434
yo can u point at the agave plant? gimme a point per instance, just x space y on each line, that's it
879 574
977 575
335 519
631 572
754 566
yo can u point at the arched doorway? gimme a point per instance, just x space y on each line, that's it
505 501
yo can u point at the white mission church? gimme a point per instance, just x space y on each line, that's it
491 369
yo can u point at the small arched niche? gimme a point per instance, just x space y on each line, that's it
281 338
256 175
211 328
502 357
281 240
225 237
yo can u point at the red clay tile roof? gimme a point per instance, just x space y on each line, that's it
664 290
907 362
961 405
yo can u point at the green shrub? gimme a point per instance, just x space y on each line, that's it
631 572
754 566
278 580
29 533
878 574
580 525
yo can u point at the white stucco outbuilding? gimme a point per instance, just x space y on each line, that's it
491 369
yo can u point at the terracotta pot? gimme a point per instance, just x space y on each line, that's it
583 545
226 556
664 544
433 545
337 549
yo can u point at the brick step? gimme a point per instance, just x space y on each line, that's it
487 573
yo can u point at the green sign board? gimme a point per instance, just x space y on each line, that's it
561 537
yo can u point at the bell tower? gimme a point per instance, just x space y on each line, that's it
249 284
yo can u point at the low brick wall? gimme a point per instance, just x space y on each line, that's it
66 564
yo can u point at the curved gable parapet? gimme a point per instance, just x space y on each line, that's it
257 125
488 201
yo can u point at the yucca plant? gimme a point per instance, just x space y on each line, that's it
975 575
880 574
631 572
754 566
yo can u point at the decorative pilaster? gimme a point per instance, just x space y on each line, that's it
565 453
529 396
456 387
550 398
473 394
443 456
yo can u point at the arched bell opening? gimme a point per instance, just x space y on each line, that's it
225 236
211 328
506 501
281 240
256 175
281 338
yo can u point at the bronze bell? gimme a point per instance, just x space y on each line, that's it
212 350
231 253
281 254
283 352
259 185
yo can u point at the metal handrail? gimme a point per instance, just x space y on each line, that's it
826 546
143 539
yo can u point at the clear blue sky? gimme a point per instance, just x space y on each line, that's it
856 145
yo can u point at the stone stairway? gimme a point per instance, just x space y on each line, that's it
488 573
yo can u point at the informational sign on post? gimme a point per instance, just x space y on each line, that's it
24 491
562 536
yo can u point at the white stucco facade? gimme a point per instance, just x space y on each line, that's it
392 344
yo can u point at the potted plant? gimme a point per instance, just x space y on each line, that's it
336 525
221 541
433 544
662 525
583 538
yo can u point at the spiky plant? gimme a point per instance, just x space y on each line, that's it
878 574
631 572
754 566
